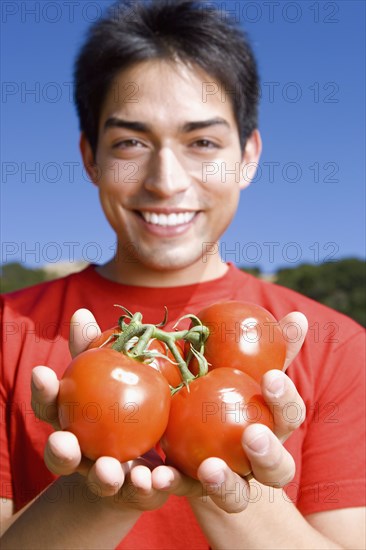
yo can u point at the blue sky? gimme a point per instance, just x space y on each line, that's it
307 203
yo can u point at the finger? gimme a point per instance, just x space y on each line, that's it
45 387
83 330
294 328
170 480
271 463
138 491
62 453
284 402
216 482
140 476
106 476
225 488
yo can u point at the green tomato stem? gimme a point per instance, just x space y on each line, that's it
196 336
134 328
169 339
143 341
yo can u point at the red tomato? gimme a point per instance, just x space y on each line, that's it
242 336
114 405
103 338
169 370
208 419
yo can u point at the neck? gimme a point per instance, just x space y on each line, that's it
135 274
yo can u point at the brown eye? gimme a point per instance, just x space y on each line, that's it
128 143
205 144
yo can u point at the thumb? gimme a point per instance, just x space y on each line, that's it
294 328
83 329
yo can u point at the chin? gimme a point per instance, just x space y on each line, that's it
163 262
168 265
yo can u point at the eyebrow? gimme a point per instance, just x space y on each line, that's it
115 122
199 124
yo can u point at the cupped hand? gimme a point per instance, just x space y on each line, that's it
130 483
271 463
146 483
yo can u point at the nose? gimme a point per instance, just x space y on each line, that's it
166 174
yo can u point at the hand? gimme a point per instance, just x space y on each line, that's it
128 484
271 463
146 483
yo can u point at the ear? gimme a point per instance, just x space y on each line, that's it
88 159
251 155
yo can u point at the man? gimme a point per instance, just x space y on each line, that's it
164 215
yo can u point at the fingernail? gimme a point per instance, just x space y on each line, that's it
213 480
56 450
276 385
167 482
64 447
217 478
37 382
259 443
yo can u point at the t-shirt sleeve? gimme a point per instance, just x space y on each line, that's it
6 487
333 454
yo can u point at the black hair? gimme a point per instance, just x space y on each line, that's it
191 31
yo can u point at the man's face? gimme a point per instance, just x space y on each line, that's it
168 164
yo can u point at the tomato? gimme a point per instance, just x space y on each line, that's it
208 418
102 339
115 406
242 336
169 370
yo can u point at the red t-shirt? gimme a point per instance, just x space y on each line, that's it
329 373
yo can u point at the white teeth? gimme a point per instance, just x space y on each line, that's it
176 218
154 218
172 219
162 219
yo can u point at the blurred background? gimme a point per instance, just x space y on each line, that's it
302 221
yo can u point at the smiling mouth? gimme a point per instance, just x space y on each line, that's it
167 220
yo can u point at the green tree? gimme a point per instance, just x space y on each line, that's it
15 276
252 271
339 285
